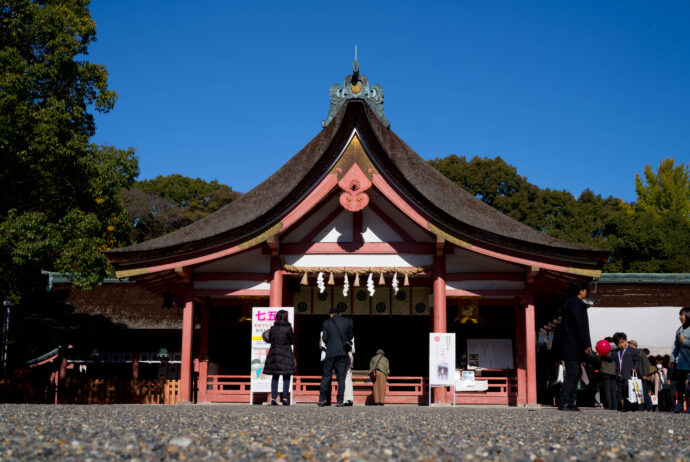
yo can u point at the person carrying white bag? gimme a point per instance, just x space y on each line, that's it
635 394
627 362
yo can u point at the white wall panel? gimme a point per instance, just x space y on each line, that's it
359 260
462 261
252 261
485 285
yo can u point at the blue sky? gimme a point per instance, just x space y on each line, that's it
574 94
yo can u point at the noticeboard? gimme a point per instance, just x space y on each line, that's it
441 359
262 320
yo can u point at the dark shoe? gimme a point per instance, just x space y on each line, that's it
564 408
273 402
285 402
349 403
575 408
340 405
321 404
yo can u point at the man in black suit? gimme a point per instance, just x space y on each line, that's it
574 342
337 334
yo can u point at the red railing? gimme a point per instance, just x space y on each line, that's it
400 390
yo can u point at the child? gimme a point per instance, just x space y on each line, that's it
627 361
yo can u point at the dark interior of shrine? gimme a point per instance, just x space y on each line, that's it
405 339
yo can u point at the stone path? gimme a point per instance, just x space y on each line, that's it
226 432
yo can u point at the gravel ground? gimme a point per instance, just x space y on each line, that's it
230 432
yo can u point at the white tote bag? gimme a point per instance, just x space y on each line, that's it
635 390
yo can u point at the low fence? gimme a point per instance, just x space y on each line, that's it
236 389
399 390
91 391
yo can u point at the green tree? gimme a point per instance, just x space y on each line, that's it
653 235
60 194
553 212
166 203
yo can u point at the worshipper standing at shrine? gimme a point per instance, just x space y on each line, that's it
337 335
573 342
281 358
627 361
681 357
381 368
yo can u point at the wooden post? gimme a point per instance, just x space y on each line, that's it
135 366
276 292
203 353
520 363
530 346
439 313
187 334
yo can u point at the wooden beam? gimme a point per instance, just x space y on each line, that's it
231 277
355 248
485 277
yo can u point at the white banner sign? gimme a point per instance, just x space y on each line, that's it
262 320
441 359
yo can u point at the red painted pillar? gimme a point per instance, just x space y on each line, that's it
520 363
439 313
187 334
135 366
276 292
530 346
203 352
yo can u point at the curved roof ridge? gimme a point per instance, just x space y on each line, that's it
482 216
250 206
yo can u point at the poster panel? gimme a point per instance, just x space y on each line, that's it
441 359
262 320
490 353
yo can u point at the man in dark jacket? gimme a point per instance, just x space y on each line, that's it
337 333
574 342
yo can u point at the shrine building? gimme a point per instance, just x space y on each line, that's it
358 221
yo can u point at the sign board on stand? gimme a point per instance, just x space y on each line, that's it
262 320
441 361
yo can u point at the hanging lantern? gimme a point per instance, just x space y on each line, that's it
356 284
305 279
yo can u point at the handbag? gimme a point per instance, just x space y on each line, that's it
372 374
264 336
635 390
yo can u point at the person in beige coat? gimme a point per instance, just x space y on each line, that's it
379 363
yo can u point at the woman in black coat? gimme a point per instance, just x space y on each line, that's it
280 359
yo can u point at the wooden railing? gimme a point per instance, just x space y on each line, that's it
92 391
400 390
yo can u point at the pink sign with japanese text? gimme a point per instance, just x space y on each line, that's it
262 320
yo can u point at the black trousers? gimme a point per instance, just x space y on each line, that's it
570 380
609 391
678 386
274 386
340 364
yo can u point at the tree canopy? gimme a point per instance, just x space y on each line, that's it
60 194
166 203
650 235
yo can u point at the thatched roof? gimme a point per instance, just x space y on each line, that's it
453 208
